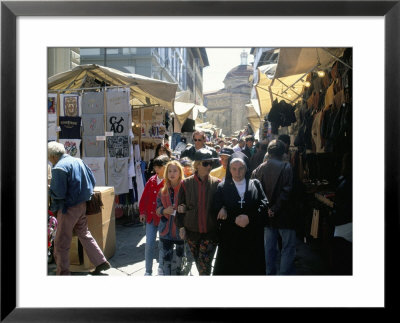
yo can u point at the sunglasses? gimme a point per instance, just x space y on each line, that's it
206 163
197 139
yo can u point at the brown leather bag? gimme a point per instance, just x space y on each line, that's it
94 205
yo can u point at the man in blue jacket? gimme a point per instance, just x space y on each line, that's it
71 186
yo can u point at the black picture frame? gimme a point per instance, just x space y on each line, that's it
10 10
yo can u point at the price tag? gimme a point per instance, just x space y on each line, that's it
101 138
109 133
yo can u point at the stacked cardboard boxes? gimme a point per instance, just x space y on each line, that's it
102 227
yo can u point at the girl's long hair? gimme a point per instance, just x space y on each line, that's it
167 182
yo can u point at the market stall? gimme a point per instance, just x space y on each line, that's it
286 79
113 121
308 96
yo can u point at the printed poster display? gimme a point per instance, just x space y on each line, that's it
118 101
92 102
72 147
70 127
118 175
119 123
147 114
96 164
92 147
118 146
70 105
52 104
93 124
52 127
158 115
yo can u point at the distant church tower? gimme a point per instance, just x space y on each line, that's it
243 58
226 107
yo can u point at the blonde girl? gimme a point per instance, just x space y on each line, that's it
167 201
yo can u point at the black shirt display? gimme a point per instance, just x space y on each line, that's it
70 127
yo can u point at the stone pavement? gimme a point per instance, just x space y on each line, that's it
129 259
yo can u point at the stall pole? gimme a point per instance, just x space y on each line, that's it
58 115
105 141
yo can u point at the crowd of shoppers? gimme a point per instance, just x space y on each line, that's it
218 205
231 204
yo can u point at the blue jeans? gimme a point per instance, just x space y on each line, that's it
176 139
288 252
151 234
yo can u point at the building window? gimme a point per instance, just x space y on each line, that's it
112 51
129 51
90 51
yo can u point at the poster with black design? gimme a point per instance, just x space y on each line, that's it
93 124
118 146
118 101
52 104
70 127
92 102
70 105
118 123
72 147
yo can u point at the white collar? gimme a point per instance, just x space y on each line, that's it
242 182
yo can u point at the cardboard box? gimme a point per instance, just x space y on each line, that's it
102 227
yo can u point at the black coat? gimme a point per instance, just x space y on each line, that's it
241 250
276 178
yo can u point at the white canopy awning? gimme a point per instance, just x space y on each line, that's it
300 60
268 90
143 89
253 115
184 110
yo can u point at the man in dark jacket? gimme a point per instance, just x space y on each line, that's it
276 178
249 148
199 140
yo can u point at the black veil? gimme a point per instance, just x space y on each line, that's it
238 154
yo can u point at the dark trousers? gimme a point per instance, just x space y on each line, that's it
342 257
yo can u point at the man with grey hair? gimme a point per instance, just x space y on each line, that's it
72 184
234 142
276 177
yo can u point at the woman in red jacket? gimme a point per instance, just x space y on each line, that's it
147 209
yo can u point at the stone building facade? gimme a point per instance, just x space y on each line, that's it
226 107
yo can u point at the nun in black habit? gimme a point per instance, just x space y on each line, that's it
242 220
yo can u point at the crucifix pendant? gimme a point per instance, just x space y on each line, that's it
241 203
